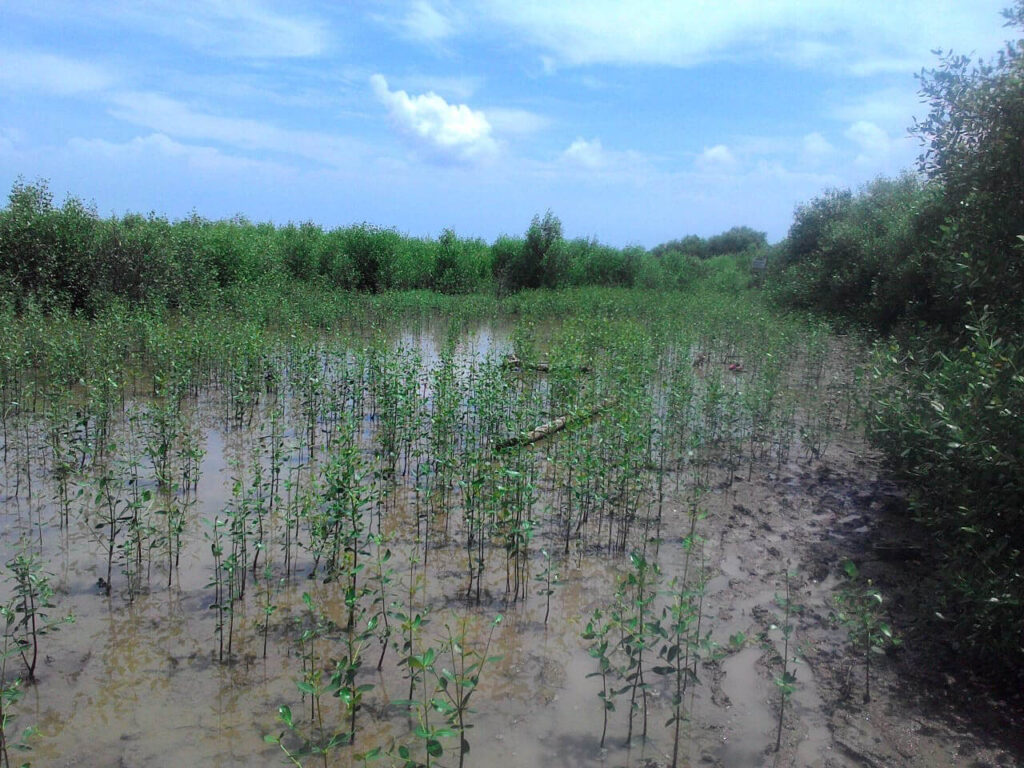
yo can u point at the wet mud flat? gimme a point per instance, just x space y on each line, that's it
143 676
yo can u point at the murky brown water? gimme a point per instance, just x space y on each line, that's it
139 680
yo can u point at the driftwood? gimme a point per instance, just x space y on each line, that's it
556 425
511 361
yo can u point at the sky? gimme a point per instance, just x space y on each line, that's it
633 122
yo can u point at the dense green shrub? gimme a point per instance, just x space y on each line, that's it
861 256
299 252
372 252
461 265
45 251
938 261
735 240
591 263
68 257
691 245
953 423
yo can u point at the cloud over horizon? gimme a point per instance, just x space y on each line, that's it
448 131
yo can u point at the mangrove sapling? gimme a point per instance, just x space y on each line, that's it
342 684
60 433
859 608
314 741
431 736
10 691
634 598
679 633
786 682
411 621
139 529
458 684
257 507
174 516
111 516
269 608
549 578
27 618
220 597
597 630
382 577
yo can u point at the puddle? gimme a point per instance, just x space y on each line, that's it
750 721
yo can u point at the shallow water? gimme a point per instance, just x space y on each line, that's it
139 677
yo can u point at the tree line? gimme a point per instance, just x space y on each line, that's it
931 266
67 256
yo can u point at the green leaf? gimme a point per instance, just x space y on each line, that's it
284 713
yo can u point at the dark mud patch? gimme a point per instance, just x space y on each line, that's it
926 709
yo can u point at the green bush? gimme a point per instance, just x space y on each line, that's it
953 425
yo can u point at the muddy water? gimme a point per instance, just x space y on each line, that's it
138 680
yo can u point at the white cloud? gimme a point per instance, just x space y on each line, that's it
815 148
588 154
243 28
142 148
460 87
450 131
716 159
862 38
891 108
49 73
519 122
171 117
424 22
873 142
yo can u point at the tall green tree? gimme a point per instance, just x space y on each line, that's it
974 152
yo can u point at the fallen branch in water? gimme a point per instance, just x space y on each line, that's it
511 361
549 428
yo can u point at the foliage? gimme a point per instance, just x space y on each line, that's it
954 424
975 157
735 240
538 260
937 261
859 609
860 255
67 257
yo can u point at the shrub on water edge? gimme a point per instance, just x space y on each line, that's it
412 265
297 248
461 265
953 424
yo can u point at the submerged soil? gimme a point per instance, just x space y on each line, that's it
139 682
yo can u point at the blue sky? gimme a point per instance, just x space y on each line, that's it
634 122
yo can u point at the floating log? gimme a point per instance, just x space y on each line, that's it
511 361
556 425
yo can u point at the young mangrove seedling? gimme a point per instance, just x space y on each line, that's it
28 619
10 691
786 682
859 609
549 577
459 683
597 631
